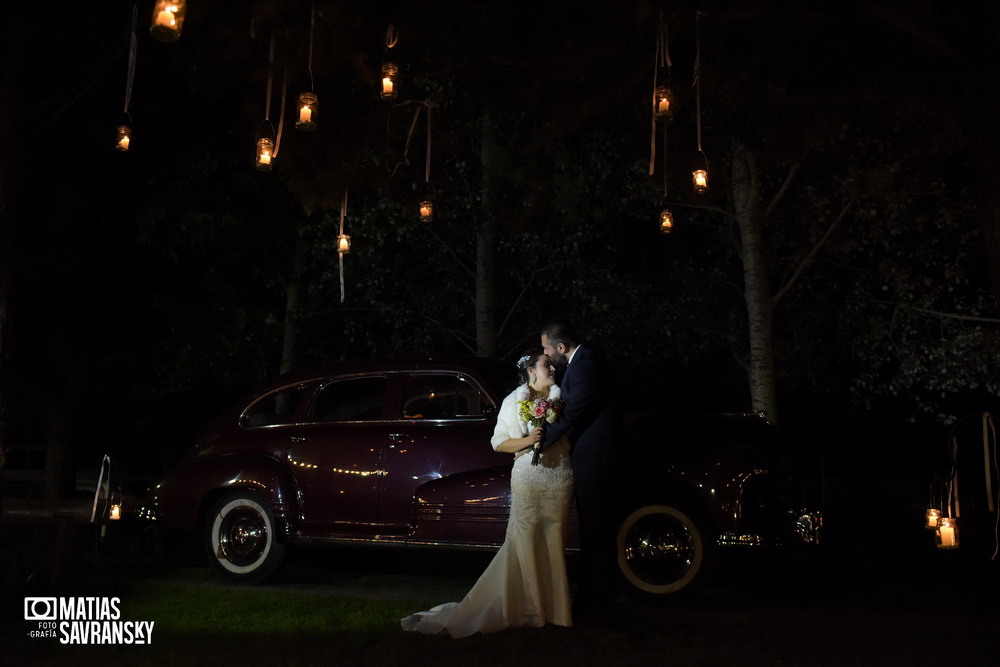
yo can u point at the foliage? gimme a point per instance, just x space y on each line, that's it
164 274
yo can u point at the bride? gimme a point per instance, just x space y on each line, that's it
526 583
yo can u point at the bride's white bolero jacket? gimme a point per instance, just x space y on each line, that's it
508 423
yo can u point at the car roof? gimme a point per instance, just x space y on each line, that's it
499 375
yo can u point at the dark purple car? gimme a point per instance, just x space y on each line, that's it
397 453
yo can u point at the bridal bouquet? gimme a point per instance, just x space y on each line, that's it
539 412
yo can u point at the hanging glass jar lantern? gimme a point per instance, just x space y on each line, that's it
168 19
947 533
308 106
426 210
664 109
265 154
343 244
699 178
124 138
931 519
666 221
389 72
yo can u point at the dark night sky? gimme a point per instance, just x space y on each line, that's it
82 286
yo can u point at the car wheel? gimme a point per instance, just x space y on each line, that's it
242 539
661 551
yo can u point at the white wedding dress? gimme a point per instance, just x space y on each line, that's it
525 584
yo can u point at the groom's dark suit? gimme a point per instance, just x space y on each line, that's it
590 420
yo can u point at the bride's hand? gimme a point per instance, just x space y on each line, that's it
536 435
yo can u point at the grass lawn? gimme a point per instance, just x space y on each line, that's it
208 625
838 610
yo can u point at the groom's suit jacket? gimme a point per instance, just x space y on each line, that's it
588 417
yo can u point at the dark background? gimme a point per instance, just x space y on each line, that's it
145 291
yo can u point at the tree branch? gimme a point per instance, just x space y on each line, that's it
706 207
908 24
937 313
458 260
524 290
812 253
451 332
776 199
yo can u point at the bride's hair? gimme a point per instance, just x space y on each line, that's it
527 360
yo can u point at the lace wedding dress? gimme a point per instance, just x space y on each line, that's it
525 584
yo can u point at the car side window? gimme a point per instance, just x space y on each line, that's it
276 408
349 400
442 396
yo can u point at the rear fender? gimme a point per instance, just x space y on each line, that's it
470 508
179 505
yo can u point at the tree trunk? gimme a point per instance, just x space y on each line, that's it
756 285
486 243
293 307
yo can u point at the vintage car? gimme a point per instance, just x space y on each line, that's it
397 453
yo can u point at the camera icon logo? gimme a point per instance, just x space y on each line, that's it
40 609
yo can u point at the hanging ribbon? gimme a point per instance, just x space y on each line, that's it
409 137
697 82
661 59
270 73
281 118
953 504
664 162
989 432
105 465
990 464
427 168
343 214
312 30
130 76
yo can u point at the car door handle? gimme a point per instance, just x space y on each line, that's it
396 438
299 438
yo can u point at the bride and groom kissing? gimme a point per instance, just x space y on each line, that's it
526 583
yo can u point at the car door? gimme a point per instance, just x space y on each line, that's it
443 422
336 456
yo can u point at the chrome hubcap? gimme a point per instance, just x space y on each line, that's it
242 536
659 549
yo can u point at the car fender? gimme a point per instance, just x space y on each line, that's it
478 500
186 494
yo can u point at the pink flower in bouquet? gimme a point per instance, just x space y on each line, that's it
539 411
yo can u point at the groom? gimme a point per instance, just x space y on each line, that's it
593 427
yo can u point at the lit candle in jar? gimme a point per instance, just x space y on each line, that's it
664 106
116 512
343 245
386 85
931 518
947 533
265 158
305 115
123 143
166 17
425 211
666 221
